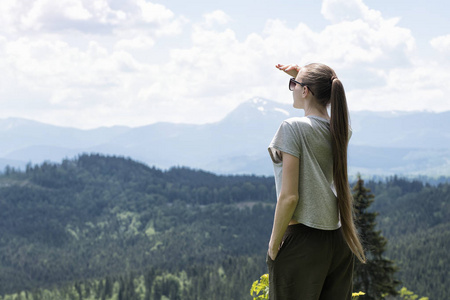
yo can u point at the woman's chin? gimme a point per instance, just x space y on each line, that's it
297 106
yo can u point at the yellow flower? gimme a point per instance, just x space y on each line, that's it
356 295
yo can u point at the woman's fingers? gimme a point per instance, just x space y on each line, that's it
290 69
283 67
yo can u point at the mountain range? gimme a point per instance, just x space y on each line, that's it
382 143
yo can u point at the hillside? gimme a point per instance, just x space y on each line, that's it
98 216
415 218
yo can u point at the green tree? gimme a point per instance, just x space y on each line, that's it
376 277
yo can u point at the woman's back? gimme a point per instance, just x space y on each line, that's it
308 138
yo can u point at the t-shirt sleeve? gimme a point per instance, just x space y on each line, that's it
285 140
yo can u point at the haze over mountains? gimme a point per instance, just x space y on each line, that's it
383 143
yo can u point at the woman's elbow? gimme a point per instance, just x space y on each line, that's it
289 199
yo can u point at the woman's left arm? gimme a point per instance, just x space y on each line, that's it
287 202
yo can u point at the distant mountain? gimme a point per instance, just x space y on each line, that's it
383 143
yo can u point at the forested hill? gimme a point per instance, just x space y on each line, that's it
415 218
98 216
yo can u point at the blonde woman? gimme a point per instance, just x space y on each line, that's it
314 240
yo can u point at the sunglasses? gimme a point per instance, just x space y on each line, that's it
293 82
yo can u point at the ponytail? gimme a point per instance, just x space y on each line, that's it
339 129
328 90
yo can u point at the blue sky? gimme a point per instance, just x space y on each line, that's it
91 63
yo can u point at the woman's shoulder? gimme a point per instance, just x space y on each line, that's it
298 122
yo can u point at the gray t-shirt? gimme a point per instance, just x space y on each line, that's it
309 139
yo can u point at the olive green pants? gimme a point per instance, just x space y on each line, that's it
312 264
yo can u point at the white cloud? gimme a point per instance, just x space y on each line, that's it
52 63
66 60
219 71
374 56
441 43
138 42
216 17
338 11
419 87
153 13
46 12
64 78
106 62
88 16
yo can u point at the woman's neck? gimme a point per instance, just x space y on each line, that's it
311 110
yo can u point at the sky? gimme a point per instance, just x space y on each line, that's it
93 63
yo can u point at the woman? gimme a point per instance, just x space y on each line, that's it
314 240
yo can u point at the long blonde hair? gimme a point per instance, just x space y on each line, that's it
328 90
